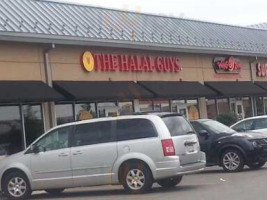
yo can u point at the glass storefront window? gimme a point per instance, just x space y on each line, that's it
125 108
211 108
33 120
259 106
177 104
146 106
85 111
193 109
223 106
162 106
10 130
247 107
64 113
108 109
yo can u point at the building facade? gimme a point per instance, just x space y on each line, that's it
52 73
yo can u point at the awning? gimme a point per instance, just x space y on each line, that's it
177 89
237 88
101 90
262 84
27 91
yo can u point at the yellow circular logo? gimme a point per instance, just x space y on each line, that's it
88 61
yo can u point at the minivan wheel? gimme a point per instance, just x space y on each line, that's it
54 191
136 178
257 165
16 186
170 182
232 161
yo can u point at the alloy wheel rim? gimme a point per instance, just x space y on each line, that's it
17 187
135 179
231 161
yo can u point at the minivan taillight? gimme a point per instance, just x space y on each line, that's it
168 147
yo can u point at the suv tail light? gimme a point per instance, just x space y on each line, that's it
168 147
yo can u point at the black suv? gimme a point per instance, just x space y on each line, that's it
227 148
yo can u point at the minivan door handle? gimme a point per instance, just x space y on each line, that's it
77 153
63 155
189 143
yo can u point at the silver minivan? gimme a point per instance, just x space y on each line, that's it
134 151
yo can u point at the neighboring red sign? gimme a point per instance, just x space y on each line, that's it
229 65
130 63
261 69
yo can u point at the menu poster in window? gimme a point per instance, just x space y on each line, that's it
193 113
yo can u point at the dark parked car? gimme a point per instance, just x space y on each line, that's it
227 148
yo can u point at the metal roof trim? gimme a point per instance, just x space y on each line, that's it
71 40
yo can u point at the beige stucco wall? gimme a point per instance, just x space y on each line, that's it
19 61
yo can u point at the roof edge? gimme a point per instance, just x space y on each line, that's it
68 40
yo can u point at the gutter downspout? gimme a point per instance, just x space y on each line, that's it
253 103
48 79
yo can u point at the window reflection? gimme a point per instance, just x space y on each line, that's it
211 108
34 126
259 106
145 106
108 109
64 113
85 111
223 106
10 130
162 106
125 108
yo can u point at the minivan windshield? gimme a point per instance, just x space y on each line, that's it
217 127
178 125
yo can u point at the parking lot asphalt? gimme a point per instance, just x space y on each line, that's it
212 184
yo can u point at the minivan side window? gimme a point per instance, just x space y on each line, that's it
93 133
131 129
55 140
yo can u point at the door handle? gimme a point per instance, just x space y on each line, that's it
63 155
77 153
189 143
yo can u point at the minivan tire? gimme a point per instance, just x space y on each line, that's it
54 191
136 178
23 186
170 182
232 160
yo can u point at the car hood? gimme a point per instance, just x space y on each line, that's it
251 135
11 158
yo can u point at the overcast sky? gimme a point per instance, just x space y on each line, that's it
239 12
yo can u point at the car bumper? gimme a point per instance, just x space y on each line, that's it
257 155
174 168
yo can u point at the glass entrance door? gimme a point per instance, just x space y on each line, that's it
238 108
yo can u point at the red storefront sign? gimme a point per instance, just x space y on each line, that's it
261 69
130 63
228 65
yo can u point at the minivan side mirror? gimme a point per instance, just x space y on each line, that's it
204 133
35 149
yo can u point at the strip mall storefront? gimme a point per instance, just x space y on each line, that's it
42 87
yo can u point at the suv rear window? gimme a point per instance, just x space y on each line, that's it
178 125
131 129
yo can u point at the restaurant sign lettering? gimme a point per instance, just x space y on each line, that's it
227 65
129 63
261 69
